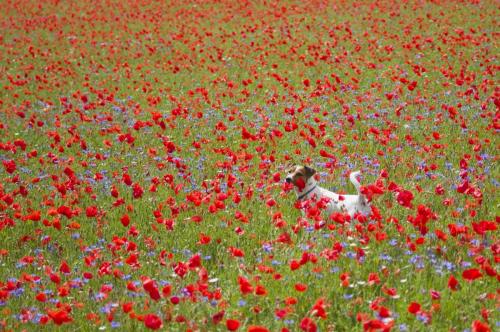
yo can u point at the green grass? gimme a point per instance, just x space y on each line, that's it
183 59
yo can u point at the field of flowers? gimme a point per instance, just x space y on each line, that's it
143 148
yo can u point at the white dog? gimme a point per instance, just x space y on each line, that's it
306 187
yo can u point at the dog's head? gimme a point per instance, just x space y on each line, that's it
299 175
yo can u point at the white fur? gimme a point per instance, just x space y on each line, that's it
351 204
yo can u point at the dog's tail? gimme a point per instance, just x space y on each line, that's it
362 200
355 182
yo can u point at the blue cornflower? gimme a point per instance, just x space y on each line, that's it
350 254
466 264
267 247
334 269
423 318
385 257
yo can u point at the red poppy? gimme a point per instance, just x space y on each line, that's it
232 324
166 290
217 318
414 308
127 307
64 267
257 328
373 279
478 326
181 269
125 220
299 287
404 197
152 321
308 325
319 309
300 183
59 316
137 190
471 274
245 286
294 264
9 165
41 297
150 286
452 283
91 211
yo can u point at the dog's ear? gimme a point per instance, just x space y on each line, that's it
309 171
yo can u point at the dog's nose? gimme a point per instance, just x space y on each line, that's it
288 180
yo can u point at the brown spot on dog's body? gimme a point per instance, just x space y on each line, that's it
299 172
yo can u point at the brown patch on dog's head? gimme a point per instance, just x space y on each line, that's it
296 172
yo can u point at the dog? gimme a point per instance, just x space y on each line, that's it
306 187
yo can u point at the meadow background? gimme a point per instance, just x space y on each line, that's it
143 147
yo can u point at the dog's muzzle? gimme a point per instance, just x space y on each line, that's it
288 180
